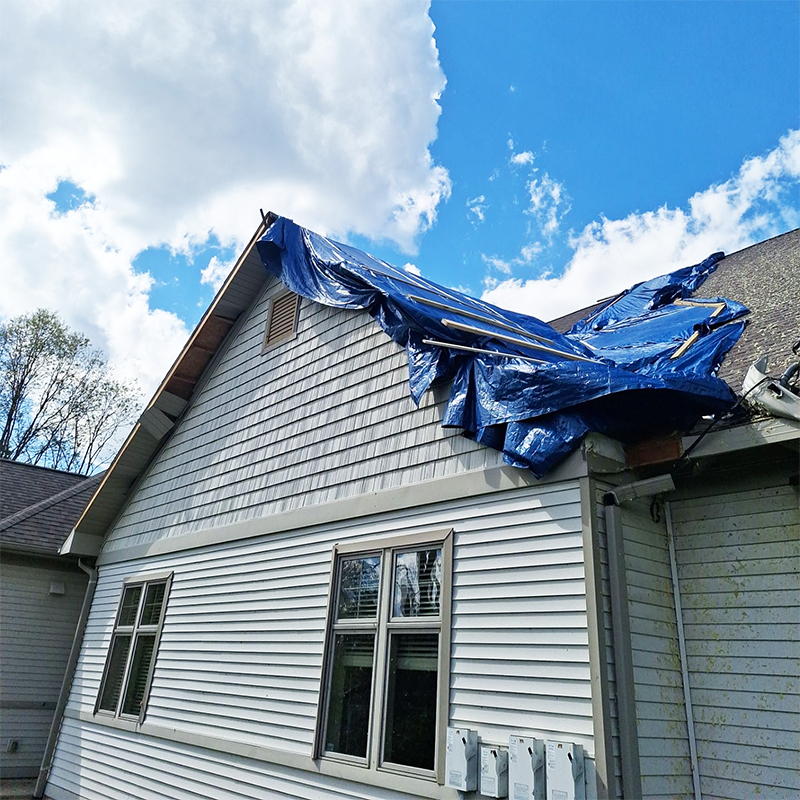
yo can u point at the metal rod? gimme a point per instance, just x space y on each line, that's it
478 317
687 694
481 332
452 346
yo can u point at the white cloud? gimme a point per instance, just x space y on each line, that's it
477 206
522 159
215 273
610 255
413 269
497 263
549 203
183 119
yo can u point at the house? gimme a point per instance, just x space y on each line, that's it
40 599
306 584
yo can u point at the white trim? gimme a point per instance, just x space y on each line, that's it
415 787
744 437
455 487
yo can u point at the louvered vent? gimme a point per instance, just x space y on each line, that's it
282 320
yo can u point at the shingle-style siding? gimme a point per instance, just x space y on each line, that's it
242 645
738 551
322 417
36 630
660 708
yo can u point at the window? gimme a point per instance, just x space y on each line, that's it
282 319
386 674
134 642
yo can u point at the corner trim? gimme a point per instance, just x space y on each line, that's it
455 487
598 664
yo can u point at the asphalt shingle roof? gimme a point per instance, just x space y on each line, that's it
766 278
40 506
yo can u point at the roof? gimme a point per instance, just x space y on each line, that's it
242 288
39 506
765 277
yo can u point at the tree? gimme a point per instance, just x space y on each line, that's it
60 405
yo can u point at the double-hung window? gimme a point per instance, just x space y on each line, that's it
386 676
134 642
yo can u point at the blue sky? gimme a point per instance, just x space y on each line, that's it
542 154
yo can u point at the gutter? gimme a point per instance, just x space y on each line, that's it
66 683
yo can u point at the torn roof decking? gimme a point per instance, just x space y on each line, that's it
248 277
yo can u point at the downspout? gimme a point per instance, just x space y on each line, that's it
623 658
687 695
66 683
620 621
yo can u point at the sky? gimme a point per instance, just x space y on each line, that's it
541 155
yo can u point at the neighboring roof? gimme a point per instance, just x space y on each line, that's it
43 503
765 277
241 288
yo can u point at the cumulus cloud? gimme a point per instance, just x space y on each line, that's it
413 269
611 255
181 120
549 203
522 159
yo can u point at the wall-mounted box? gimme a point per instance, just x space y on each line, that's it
525 768
494 771
461 760
565 779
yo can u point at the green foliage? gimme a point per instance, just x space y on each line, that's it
60 405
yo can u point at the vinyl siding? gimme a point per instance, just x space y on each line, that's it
738 552
36 630
242 645
319 418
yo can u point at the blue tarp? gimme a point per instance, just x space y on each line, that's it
537 392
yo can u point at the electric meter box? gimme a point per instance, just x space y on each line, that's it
494 771
565 779
461 760
525 769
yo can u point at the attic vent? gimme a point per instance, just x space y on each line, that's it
282 319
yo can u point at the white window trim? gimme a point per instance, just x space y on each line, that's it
143 580
388 546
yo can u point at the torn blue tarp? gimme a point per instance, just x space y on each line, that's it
517 384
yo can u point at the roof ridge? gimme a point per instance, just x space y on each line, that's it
41 505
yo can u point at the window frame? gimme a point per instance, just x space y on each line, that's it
384 624
144 580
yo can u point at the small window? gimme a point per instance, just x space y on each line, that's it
282 319
134 642
386 685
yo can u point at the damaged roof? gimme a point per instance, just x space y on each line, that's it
777 256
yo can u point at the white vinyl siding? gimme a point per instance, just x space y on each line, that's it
36 630
738 553
242 644
322 417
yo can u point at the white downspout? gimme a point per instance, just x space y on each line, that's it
687 695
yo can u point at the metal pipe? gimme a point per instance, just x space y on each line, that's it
66 683
460 326
623 658
687 694
479 318
466 349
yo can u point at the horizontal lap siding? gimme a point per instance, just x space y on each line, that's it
322 417
739 565
36 631
241 652
660 709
